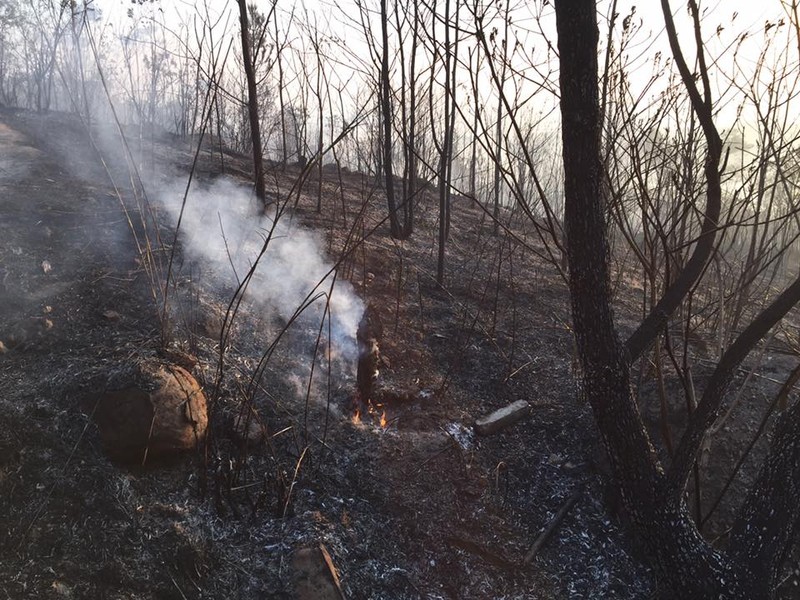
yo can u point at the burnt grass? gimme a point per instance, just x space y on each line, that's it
421 508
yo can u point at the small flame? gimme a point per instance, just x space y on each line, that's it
370 412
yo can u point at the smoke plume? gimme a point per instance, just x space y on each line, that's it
225 229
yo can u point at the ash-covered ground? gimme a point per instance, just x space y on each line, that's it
421 507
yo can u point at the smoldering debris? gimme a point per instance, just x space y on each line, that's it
368 335
225 232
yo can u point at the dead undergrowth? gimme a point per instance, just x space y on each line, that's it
420 508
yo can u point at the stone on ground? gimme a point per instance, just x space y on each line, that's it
502 418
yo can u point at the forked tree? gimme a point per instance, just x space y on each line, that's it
686 565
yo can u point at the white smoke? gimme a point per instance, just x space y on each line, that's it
224 227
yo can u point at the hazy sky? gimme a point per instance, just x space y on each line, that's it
749 11
720 28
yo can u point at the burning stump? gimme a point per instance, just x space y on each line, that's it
368 335
154 410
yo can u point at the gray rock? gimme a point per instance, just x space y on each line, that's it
502 418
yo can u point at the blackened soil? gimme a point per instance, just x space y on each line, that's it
420 508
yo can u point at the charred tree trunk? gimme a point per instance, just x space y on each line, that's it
409 118
413 185
252 102
368 336
395 228
281 101
498 133
686 565
446 156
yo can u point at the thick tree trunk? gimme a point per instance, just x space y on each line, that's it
769 520
686 566
252 103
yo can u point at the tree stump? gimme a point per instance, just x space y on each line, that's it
152 410
368 336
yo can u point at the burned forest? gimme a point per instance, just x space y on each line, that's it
371 299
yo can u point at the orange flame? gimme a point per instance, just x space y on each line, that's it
371 413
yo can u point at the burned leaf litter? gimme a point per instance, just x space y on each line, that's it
410 503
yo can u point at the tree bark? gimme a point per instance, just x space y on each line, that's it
498 134
686 565
408 104
446 155
408 224
281 101
252 102
386 113
768 522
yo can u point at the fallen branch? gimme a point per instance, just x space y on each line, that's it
553 525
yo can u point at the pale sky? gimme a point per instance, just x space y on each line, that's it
720 28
